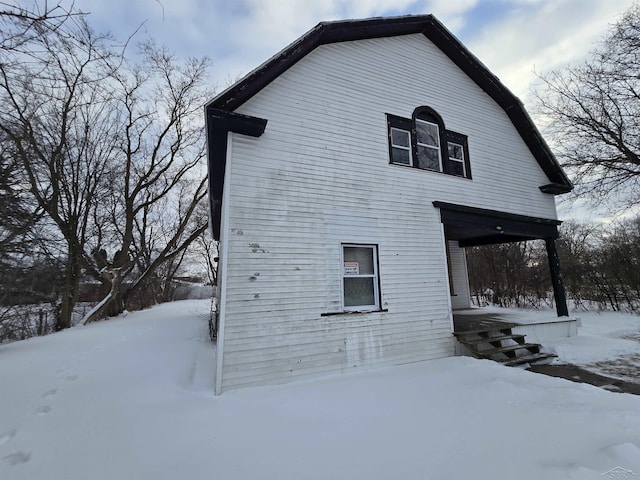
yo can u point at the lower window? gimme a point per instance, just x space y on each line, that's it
360 277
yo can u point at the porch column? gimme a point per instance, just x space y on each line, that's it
556 278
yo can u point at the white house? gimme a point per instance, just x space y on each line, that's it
347 174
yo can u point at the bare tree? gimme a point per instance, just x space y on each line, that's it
19 215
159 182
510 274
56 116
577 246
617 264
112 151
593 115
207 249
19 25
600 269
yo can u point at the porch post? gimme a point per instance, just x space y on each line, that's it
556 278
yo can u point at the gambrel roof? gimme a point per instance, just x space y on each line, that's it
219 110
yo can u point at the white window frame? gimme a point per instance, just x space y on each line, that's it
432 147
459 160
402 147
375 276
441 143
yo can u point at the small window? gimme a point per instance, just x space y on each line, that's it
458 158
400 146
360 277
399 140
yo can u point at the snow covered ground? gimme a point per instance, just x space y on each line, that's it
607 343
132 398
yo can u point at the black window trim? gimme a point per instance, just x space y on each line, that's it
446 136
460 139
428 114
399 123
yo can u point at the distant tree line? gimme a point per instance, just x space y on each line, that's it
102 168
600 268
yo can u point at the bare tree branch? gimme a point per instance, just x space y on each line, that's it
593 116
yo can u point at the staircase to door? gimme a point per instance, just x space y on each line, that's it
501 345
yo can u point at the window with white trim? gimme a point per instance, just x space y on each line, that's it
428 145
360 287
456 159
424 143
458 151
400 146
399 140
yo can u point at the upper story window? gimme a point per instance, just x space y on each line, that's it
428 145
399 140
423 142
457 155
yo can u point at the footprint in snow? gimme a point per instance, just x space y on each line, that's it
43 410
16 458
72 378
7 436
49 393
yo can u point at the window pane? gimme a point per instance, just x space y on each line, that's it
429 158
400 138
358 291
362 256
427 133
455 151
398 155
456 168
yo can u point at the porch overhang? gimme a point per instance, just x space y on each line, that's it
472 226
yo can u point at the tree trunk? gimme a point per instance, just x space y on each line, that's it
111 304
70 289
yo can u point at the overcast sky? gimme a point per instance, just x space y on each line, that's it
514 38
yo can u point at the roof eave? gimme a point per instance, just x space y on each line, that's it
350 30
323 33
556 188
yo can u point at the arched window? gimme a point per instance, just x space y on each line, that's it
423 142
428 139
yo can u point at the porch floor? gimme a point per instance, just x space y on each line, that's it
467 321
488 317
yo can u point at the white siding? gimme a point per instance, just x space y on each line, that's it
458 263
319 176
